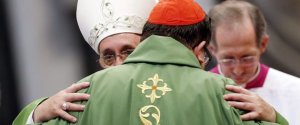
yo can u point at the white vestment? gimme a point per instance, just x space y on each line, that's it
279 89
282 91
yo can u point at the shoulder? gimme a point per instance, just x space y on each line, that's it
218 77
277 75
103 73
107 76
216 81
279 80
22 117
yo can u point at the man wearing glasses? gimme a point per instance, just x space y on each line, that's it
238 41
117 25
163 81
113 50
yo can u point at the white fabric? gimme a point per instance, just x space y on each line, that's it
98 19
30 118
282 91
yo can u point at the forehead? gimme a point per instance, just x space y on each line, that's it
236 38
119 41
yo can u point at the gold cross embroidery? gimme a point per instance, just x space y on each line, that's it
155 80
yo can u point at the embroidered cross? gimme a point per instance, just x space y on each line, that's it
154 87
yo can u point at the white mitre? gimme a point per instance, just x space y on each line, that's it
98 19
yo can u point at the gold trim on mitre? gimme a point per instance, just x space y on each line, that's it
112 23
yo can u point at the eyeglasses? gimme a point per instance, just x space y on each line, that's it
110 59
245 61
207 56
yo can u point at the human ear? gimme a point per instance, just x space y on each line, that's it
199 51
264 43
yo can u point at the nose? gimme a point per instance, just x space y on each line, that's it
238 69
119 60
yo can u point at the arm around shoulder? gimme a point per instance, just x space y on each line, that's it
280 119
22 117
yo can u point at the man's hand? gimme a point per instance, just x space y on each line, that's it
53 106
245 100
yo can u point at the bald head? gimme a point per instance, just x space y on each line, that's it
232 13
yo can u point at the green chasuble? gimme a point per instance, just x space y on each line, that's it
160 83
24 114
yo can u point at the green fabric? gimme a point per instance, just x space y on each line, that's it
280 119
185 94
24 114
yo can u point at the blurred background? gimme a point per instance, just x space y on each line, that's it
42 50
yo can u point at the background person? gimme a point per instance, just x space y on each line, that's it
238 41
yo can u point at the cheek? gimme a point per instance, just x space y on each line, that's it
136 43
253 69
227 71
249 71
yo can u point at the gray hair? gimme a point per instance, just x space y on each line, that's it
231 11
